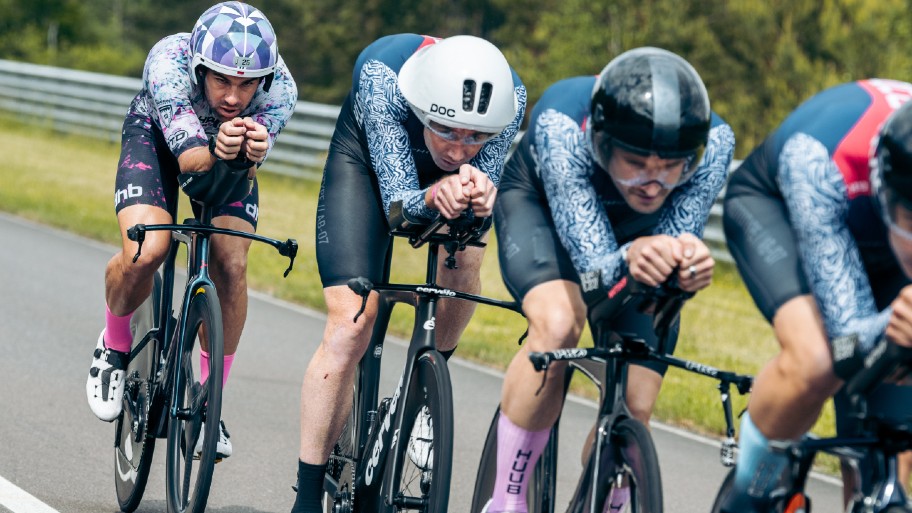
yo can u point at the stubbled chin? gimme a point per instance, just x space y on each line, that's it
644 206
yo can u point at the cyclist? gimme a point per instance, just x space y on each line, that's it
812 233
427 122
616 173
212 100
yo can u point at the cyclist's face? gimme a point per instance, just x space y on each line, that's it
644 181
450 154
228 95
901 238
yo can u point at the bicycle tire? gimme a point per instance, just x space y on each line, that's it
631 458
424 485
188 479
340 467
541 490
134 445
724 491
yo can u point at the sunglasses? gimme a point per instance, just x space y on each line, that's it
449 134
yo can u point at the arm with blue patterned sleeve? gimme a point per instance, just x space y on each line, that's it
816 198
580 221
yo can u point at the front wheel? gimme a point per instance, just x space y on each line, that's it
629 461
198 408
134 444
425 448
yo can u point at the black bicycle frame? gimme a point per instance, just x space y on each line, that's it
195 235
616 355
376 452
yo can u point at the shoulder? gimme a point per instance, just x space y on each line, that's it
569 97
171 51
392 50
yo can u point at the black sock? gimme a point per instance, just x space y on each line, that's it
447 354
310 488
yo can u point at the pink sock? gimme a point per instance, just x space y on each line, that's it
204 367
618 499
518 451
118 335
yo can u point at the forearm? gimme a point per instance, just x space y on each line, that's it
196 159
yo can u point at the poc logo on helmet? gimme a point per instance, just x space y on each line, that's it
242 62
440 109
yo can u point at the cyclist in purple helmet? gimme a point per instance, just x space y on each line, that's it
214 98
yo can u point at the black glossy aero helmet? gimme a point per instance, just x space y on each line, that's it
891 175
649 101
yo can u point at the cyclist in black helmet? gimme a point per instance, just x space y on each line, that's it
616 174
820 226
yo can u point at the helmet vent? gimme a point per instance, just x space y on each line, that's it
485 98
468 95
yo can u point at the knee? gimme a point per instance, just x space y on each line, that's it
641 406
810 369
555 328
154 251
232 267
345 341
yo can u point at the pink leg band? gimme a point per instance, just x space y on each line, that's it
204 367
118 335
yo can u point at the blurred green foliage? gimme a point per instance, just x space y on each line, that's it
759 58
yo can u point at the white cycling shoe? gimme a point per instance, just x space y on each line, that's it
223 447
421 441
105 384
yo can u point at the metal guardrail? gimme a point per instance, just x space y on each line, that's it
94 104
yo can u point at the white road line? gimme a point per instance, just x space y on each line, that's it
18 500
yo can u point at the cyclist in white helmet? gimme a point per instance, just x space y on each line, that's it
428 122
212 99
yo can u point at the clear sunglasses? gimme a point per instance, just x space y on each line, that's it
643 180
449 134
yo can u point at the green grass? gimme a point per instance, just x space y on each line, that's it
68 182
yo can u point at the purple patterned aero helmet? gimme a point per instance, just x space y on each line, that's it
235 39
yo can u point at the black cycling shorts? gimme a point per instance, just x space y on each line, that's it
530 253
147 174
352 228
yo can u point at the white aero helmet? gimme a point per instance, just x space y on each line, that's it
460 82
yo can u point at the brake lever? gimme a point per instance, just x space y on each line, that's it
361 286
137 233
289 249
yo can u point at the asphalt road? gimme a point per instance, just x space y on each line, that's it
55 456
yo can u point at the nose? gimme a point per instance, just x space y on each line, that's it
456 151
652 188
231 96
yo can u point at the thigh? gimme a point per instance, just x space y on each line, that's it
529 250
247 211
226 248
761 241
352 235
147 170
